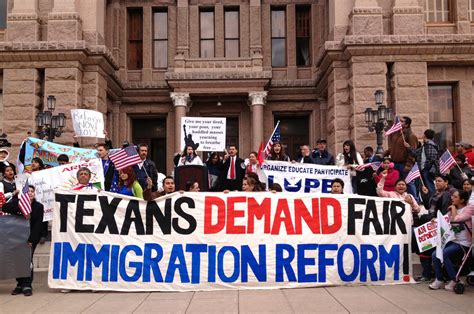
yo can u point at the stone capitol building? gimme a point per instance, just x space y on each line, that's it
314 65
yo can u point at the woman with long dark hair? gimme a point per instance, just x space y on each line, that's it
189 157
128 183
350 158
277 152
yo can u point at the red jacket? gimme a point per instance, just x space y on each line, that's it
392 177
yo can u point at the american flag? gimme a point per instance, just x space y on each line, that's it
274 138
446 161
375 165
413 174
24 203
397 126
125 157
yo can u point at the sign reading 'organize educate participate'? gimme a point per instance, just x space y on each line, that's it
204 134
305 178
207 241
88 123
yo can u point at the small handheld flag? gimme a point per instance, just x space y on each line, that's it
25 201
375 166
413 174
446 161
274 138
397 126
125 157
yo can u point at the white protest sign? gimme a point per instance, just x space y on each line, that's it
204 134
87 123
307 178
64 177
427 234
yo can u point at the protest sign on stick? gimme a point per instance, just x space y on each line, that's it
88 123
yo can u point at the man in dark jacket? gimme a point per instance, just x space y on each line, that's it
427 157
110 174
305 155
145 169
36 218
233 171
320 155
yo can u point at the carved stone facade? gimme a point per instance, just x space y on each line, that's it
78 51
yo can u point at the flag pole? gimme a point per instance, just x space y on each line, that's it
276 126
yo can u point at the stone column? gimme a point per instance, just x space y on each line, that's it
21 88
92 13
411 93
66 85
256 33
463 25
147 71
182 50
366 18
407 18
22 22
367 77
323 107
180 102
257 101
64 23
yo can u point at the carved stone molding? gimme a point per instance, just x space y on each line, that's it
64 16
217 75
23 17
407 10
180 99
258 98
366 11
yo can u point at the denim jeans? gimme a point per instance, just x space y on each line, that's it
450 250
425 175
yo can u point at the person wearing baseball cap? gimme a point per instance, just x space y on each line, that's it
320 154
464 148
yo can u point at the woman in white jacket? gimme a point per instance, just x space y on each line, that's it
189 157
350 158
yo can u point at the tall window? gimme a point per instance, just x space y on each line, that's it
442 114
232 33
278 37
160 39
471 10
3 14
135 39
206 20
303 35
438 10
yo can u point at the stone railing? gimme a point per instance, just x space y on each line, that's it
215 64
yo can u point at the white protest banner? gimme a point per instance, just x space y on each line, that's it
427 234
307 178
45 181
88 123
204 134
208 241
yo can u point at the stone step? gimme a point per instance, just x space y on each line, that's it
41 257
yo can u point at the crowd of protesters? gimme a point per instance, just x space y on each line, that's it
449 193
